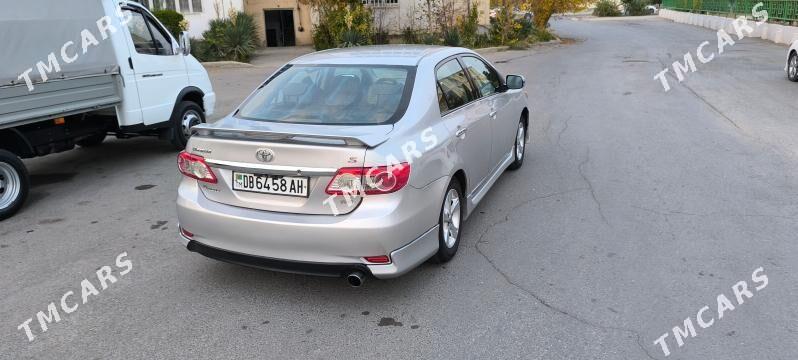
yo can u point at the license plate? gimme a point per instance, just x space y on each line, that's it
271 184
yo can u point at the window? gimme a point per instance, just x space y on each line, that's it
163 43
140 33
333 95
454 84
183 6
485 78
441 100
380 2
147 38
196 6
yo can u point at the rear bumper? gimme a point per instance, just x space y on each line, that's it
297 267
402 225
403 260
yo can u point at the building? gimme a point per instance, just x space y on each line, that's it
396 15
290 23
198 13
282 22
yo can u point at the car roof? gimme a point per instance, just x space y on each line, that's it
406 55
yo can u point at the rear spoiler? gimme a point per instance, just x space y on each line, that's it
368 140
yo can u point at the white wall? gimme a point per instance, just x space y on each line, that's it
779 34
198 22
408 12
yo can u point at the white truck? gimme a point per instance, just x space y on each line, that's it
74 71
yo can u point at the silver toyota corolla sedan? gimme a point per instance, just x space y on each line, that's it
353 162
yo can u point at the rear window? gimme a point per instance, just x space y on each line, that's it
333 95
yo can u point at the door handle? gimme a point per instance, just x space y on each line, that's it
461 132
151 75
493 114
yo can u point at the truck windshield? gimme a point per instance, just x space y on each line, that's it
333 95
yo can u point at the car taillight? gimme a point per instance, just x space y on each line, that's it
371 181
382 259
194 166
186 233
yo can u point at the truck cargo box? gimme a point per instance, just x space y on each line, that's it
36 32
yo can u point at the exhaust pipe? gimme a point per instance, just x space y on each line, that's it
356 278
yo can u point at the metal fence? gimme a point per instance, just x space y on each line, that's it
784 10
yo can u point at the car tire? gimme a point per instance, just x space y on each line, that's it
14 184
450 222
187 114
519 147
792 67
92 140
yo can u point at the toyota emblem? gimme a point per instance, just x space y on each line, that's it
265 155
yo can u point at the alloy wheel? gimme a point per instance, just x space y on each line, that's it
451 218
520 142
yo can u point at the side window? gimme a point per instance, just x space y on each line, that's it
441 100
163 42
147 37
140 33
454 84
485 78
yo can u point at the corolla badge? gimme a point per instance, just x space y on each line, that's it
265 155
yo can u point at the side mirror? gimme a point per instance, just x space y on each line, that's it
515 82
185 43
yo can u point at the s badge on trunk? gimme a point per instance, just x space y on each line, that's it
265 155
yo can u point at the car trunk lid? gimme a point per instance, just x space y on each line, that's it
294 154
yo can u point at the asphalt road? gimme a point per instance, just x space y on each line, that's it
635 209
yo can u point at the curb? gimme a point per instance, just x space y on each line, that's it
226 64
490 50
615 18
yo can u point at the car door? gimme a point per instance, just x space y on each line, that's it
503 123
160 73
461 112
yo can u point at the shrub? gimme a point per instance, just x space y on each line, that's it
351 38
502 27
481 41
429 39
543 35
173 21
234 38
606 8
410 36
635 7
338 18
380 38
523 29
451 37
469 26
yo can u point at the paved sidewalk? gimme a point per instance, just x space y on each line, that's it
277 56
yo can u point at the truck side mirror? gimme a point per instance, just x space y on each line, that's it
515 82
185 43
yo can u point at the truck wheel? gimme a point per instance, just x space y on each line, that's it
92 140
14 184
187 115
